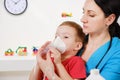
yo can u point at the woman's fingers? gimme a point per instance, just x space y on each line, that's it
41 51
45 45
48 56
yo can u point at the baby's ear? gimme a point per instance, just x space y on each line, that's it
78 46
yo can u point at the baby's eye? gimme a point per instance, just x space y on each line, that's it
65 36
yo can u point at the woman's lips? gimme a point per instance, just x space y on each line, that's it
84 26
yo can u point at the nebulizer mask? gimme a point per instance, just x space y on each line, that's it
94 75
58 44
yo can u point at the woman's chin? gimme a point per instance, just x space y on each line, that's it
85 31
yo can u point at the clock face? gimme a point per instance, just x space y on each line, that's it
16 7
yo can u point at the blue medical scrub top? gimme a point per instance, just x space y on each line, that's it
110 65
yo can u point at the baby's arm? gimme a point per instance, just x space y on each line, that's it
63 74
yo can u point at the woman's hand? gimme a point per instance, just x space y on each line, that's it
45 62
43 50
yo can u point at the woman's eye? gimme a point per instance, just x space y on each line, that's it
92 15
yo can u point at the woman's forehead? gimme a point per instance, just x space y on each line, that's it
90 5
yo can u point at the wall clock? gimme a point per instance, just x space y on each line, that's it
16 7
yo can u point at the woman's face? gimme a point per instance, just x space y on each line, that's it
93 18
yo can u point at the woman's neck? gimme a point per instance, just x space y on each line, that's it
94 42
98 39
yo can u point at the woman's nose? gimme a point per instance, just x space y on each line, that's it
83 19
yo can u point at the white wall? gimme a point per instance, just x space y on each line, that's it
37 25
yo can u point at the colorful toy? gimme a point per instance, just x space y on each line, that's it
9 52
22 51
64 14
35 50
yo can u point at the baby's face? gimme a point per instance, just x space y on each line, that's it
68 35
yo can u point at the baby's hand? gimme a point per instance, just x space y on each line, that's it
55 54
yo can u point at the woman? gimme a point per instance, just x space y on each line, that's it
102 49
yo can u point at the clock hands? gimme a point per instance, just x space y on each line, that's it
15 2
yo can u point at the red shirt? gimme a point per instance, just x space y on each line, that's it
75 67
